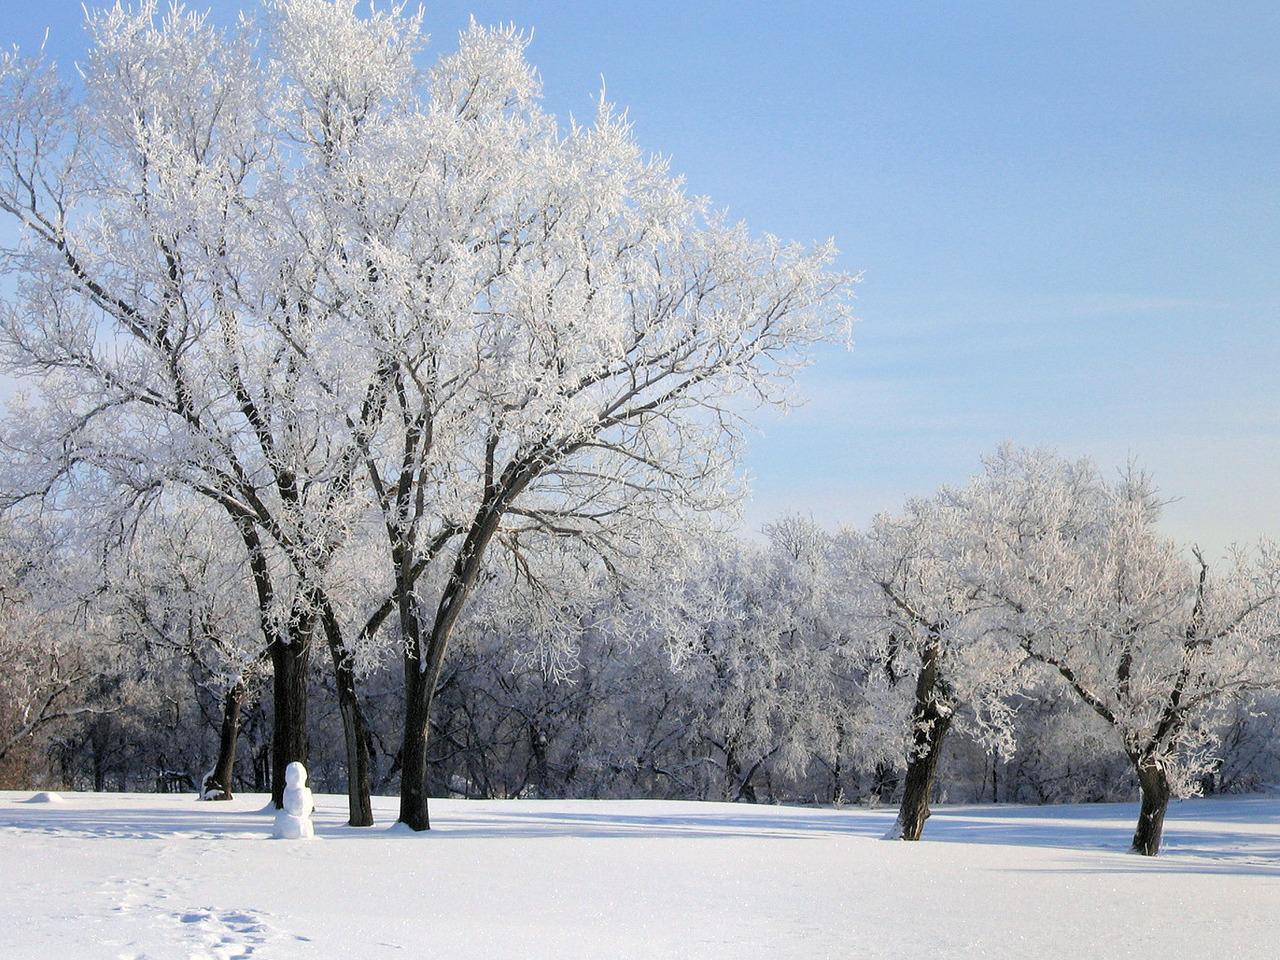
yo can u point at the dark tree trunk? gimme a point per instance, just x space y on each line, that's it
747 787
1154 783
217 785
289 729
837 791
931 728
356 736
418 694
262 768
541 765
355 731
732 787
424 656
884 782
99 737
930 721
290 652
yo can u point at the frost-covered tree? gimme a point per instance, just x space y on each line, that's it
174 233
47 668
1248 758
560 351
177 587
343 297
929 637
752 658
715 677
1155 642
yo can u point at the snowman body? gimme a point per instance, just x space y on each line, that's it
293 822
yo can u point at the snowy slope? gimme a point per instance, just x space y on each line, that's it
132 876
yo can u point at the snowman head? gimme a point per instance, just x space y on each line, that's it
295 775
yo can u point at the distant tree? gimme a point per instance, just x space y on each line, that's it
929 637
178 587
748 665
1146 637
47 667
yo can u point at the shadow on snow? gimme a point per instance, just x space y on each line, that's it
1233 835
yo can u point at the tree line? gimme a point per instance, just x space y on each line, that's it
1029 636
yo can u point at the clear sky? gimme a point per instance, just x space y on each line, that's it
1067 215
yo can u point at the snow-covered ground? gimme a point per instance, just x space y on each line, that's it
132 876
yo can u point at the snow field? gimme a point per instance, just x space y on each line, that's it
146 876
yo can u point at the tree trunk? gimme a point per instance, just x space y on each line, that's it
99 738
930 721
289 686
418 694
1154 783
931 729
732 787
884 782
424 657
262 768
356 735
541 765
355 732
217 785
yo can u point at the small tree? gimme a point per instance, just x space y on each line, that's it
1143 635
47 666
749 667
177 587
929 635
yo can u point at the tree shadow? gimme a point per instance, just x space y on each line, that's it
1235 835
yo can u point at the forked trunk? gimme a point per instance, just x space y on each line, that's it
424 656
289 704
217 785
1154 783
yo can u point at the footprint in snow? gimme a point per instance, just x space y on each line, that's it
225 934
130 893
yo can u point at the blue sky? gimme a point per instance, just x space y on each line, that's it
1067 215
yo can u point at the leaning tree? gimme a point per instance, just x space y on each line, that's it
928 639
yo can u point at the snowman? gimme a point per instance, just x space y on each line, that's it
294 821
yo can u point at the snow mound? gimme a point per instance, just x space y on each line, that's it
45 796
